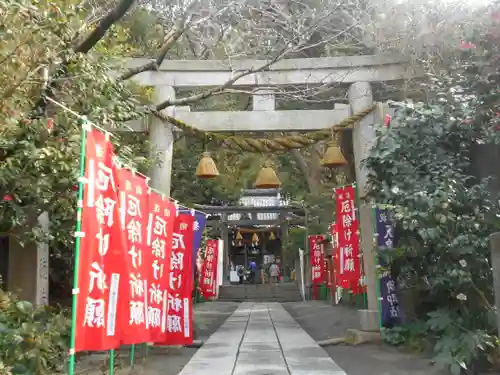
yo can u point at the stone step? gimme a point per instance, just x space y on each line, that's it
260 300
260 293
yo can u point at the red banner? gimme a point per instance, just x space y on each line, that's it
134 286
100 258
180 283
328 273
317 258
135 271
209 270
160 229
335 254
349 266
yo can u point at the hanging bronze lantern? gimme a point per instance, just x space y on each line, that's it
333 157
206 167
267 178
255 238
239 237
272 236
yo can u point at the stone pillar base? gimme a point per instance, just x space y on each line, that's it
369 320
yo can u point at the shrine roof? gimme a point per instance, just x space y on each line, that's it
255 205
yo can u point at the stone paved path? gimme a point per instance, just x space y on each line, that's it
261 339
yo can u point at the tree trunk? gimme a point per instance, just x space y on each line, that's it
312 183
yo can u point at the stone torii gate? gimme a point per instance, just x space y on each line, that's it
356 71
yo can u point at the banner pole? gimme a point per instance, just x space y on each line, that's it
377 266
79 211
111 362
132 356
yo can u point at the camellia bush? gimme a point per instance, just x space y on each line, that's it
424 168
32 341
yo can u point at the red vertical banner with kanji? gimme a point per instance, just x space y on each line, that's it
180 283
209 269
317 258
328 272
332 229
160 229
133 198
100 260
335 254
349 265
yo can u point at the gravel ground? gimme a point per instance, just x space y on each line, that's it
322 321
208 316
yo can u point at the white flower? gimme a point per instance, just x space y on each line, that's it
463 263
461 297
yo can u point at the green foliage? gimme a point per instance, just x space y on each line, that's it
5 370
444 213
38 168
409 335
296 241
236 172
456 346
32 341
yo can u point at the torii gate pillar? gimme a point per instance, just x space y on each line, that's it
360 97
161 141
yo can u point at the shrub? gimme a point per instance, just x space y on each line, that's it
32 341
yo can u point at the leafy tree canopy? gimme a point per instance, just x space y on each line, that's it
40 143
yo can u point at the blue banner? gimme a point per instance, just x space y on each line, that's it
391 308
200 221
385 229
391 311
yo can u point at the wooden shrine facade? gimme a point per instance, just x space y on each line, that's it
259 211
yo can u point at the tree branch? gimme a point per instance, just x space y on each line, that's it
183 24
170 39
220 89
173 36
104 25
84 46
301 44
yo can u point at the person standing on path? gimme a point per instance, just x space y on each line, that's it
274 272
241 274
253 271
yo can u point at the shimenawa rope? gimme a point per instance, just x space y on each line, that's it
261 145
